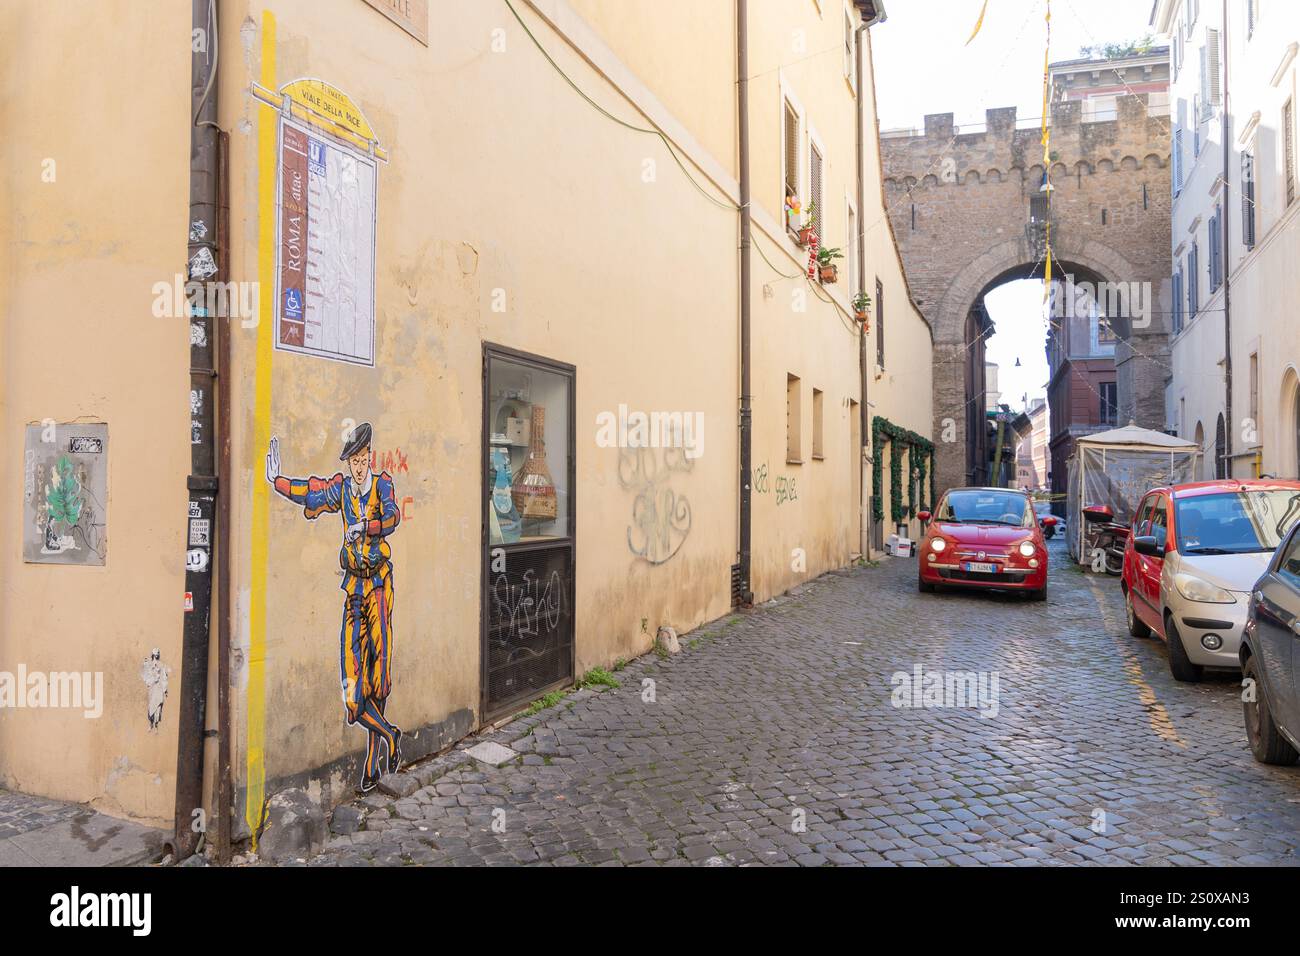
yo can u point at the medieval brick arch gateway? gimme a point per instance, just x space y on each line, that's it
969 213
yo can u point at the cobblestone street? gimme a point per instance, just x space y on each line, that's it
783 715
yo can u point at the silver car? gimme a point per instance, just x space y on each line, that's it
1192 562
1270 658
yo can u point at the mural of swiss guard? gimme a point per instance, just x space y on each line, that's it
370 514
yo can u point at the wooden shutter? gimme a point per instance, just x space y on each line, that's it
1248 199
1288 149
815 188
790 123
1213 82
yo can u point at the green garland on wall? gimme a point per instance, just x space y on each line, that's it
903 442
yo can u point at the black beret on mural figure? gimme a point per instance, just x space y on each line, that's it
360 439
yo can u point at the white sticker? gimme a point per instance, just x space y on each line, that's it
196 559
200 532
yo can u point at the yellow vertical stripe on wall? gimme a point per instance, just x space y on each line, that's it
267 125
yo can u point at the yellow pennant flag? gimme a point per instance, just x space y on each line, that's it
980 22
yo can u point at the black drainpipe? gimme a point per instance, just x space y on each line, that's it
742 593
202 482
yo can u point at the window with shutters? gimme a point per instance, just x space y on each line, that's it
1213 74
1176 162
1254 396
1216 249
1248 198
880 324
818 450
1288 149
1252 16
818 207
1193 282
1196 126
1177 295
793 420
790 157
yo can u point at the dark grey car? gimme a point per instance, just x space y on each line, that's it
1270 658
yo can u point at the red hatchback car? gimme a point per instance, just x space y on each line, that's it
984 538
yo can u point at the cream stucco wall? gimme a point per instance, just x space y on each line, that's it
79 256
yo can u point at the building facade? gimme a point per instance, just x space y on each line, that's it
477 419
1233 385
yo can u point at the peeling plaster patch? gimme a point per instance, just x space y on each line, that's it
239 643
467 256
248 39
154 673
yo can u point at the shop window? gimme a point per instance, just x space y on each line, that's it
528 468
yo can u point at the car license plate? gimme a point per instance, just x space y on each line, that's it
977 567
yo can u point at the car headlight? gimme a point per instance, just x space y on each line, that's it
1027 548
938 544
1198 589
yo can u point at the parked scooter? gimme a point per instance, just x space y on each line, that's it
1105 539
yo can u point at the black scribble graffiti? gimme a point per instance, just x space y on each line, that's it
760 479
661 518
786 490
527 609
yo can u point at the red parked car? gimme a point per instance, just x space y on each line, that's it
984 538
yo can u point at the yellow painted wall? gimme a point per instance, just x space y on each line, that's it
502 181
78 342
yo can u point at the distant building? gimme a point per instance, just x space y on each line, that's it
1099 84
1082 390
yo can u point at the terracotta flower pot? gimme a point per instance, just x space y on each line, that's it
806 235
829 273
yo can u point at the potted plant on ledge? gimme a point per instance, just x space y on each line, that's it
827 270
808 231
861 302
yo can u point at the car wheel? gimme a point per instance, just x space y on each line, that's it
1266 742
1180 665
1135 625
925 587
1114 563
1038 594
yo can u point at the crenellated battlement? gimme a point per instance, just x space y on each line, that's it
1003 147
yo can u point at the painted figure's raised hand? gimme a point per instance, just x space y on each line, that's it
273 461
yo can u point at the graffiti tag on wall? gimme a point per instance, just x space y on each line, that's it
661 517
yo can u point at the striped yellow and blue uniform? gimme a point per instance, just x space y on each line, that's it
366 637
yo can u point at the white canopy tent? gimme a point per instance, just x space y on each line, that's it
1117 467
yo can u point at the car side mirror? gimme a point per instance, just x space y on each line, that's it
924 516
1148 545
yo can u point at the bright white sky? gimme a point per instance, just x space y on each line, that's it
923 65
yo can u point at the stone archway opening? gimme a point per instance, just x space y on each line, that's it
1024 355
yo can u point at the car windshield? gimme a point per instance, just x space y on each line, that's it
985 507
1239 522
